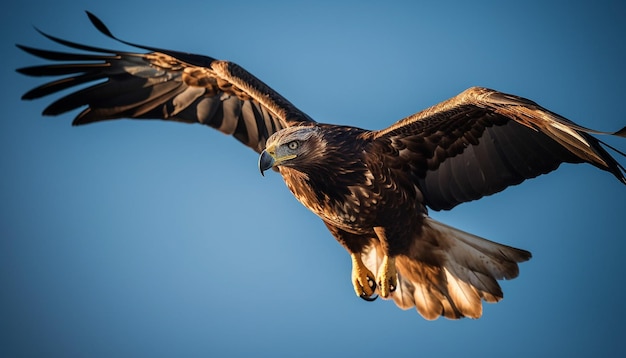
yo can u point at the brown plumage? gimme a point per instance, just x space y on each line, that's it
372 189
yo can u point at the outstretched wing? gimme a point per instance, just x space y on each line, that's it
162 84
482 141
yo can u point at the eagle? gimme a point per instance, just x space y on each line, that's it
371 188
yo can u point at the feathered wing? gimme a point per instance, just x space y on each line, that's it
162 84
448 272
482 141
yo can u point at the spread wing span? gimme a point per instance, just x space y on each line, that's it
162 84
482 141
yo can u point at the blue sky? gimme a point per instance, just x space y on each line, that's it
132 238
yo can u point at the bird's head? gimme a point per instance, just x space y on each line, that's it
291 147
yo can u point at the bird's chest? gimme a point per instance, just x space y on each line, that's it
351 207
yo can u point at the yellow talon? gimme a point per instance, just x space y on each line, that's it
387 276
363 279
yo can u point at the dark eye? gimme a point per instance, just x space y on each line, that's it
293 145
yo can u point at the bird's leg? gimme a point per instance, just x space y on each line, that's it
387 277
362 278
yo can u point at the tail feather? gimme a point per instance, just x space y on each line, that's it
452 282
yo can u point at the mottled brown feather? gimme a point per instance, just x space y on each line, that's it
482 141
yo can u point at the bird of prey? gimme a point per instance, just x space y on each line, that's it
372 189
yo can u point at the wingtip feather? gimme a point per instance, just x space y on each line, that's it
98 24
621 133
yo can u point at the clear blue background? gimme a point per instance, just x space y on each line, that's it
154 239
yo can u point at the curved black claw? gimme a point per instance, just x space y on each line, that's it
369 298
372 285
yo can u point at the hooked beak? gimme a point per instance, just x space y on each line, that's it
266 161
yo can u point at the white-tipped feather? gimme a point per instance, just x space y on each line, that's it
464 296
